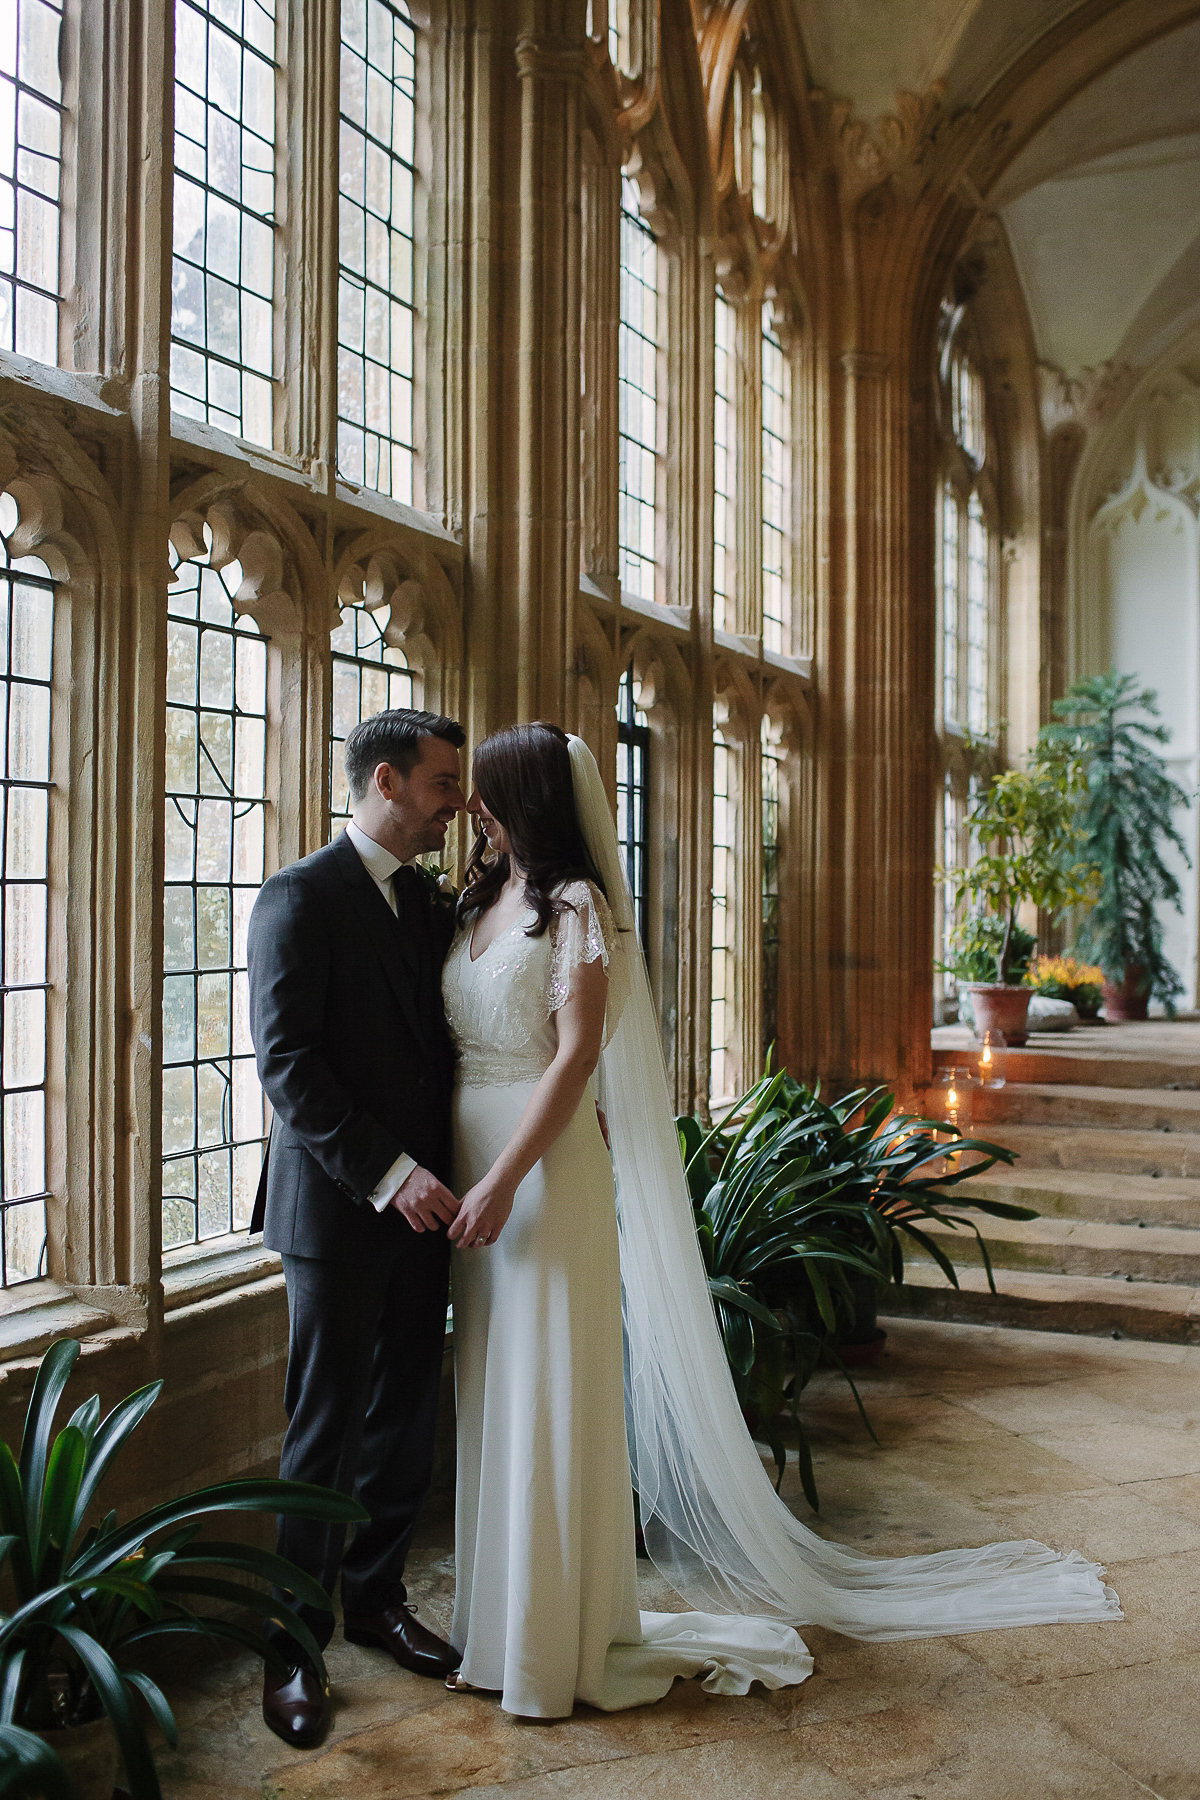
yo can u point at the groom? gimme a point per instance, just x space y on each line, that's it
345 958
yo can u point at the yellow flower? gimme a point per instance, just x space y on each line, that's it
1063 971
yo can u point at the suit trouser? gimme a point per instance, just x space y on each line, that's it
364 1368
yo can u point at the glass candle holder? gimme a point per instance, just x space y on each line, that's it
953 1091
992 1048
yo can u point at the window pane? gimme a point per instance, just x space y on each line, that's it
772 765
375 294
213 1118
977 617
26 642
223 272
949 548
633 750
724 451
637 397
722 1015
31 116
776 491
368 676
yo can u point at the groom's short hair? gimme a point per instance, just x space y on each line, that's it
393 737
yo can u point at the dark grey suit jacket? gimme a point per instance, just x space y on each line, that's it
353 1053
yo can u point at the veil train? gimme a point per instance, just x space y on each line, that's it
714 1525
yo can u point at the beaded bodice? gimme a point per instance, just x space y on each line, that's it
501 1006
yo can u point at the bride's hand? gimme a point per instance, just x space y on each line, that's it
482 1215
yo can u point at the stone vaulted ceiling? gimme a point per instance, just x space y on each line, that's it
1103 211
1102 207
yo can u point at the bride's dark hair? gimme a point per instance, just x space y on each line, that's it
523 774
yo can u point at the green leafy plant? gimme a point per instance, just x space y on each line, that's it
976 942
92 1600
1030 850
1124 818
796 1198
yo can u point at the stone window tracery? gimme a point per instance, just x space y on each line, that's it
26 672
638 398
376 300
31 124
213 1117
223 272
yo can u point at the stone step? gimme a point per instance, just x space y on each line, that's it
1060 1062
1058 1246
1050 1103
1161 1154
1072 1193
1036 1301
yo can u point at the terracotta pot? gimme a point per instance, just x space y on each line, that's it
999 1008
1127 1001
89 1755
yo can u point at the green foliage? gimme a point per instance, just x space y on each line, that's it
794 1200
1030 849
92 1599
1124 814
976 943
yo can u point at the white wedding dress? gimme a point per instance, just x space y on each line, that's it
556 1406
546 1603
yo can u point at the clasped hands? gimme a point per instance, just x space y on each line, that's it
472 1222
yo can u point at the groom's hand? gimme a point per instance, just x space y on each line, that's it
424 1201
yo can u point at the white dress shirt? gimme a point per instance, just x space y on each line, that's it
381 865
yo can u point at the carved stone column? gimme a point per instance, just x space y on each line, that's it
870 1008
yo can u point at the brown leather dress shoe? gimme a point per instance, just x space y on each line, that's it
402 1635
295 1706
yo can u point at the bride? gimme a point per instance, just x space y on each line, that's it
585 1340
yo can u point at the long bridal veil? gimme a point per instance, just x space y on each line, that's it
714 1526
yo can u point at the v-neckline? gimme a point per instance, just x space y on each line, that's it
528 913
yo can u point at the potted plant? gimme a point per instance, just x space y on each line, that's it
1068 978
1125 815
802 1208
974 942
94 1601
1024 823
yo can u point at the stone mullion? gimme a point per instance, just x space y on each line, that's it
601 252
131 655
307 271
541 512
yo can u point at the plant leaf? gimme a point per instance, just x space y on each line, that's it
28 1766
114 1697
51 1379
153 1695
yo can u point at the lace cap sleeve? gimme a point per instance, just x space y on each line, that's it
583 932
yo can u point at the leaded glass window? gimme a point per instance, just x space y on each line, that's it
369 675
213 1120
223 273
724 453
375 248
776 502
977 617
638 397
722 1012
772 774
26 650
949 555
31 118
633 754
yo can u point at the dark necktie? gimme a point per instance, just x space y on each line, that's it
412 915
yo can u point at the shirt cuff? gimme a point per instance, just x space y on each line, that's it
386 1190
